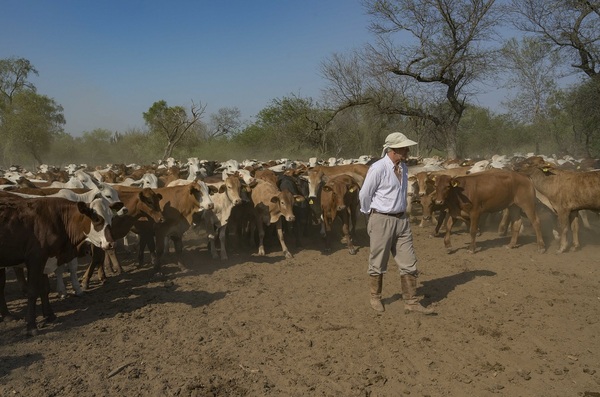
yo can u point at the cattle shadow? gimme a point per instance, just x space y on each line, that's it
10 363
436 290
119 296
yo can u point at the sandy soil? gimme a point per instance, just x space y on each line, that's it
510 323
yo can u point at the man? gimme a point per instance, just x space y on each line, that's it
383 197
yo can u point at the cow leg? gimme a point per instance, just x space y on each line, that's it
47 312
222 239
346 232
178 246
447 243
6 315
20 275
115 266
261 236
61 289
473 230
85 280
35 270
73 264
563 225
98 259
503 226
141 248
517 222
441 217
533 217
574 221
284 247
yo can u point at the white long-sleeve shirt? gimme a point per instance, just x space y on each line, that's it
382 190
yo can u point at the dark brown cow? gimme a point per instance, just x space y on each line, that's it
468 197
34 230
339 197
270 204
565 192
141 202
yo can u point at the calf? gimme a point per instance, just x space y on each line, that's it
270 204
34 230
226 195
302 211
339 197
468 197
140 203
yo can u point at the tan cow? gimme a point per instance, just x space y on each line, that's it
468 197
339 197
270 204
567 192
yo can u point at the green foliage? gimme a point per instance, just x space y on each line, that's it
29 124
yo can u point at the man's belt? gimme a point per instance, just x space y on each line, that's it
398 215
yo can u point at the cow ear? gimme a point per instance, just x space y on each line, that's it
274 199
84 209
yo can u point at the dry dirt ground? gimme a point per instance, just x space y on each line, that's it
510 323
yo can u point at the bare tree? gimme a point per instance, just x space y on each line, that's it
426 57
172 122
572 26
226 122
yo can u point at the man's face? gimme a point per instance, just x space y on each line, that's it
400 154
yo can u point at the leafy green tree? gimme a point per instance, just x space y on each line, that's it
171 123
30 122
426 57
13 79
583 103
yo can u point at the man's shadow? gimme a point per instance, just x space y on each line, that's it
438 289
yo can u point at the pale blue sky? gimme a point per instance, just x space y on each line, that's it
106 62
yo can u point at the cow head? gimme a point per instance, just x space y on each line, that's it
284 204
200 191
149 205
443 185
100 213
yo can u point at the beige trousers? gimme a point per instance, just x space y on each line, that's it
391 235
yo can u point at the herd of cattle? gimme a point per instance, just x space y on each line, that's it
53 216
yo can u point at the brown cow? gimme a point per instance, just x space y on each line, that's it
468 197
35 230
339 197
270 204
141 202
320 173
178 204
566 193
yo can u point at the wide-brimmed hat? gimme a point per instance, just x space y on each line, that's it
397 140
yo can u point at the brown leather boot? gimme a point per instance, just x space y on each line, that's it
376 285
408 284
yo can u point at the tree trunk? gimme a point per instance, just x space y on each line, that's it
452 142
168 150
